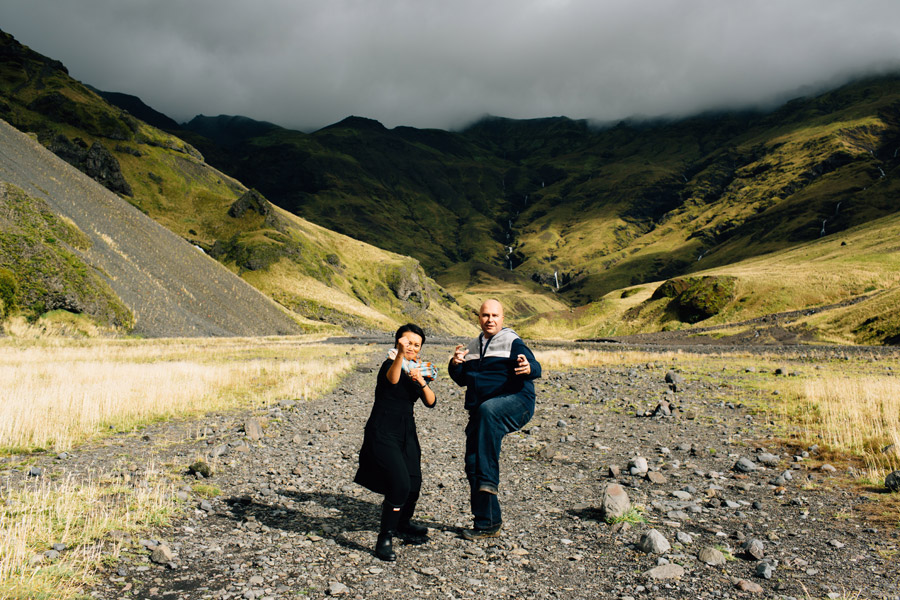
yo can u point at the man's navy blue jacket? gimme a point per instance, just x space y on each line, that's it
493 374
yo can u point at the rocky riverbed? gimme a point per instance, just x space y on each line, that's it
721 510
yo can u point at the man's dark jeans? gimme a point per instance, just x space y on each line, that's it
488 423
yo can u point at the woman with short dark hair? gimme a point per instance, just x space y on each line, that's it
390 458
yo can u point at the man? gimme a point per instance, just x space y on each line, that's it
497 370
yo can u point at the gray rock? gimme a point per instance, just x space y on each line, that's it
35 472
162 555
656 478
744 465
827 468
765 569
653 542
749 586
669 571
614 471
754 548
892 481
711 556
615 502
638 465
336 588
768 459
253 429
684 538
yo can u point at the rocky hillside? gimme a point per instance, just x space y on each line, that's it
325 280
162 286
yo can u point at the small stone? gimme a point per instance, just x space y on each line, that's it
892 481
749 586
653 542
669 571
744 465
253 429
656 478
684 538
765 569
336 588
614 471
615 502
711 556
35 472
768 459
562 424
827 468
162 555
638 465
836 543
754 548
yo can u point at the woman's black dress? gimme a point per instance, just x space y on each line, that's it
390 458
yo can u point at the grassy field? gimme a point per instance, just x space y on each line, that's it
58 394
849 408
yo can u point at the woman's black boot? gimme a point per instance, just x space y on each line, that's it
384 548
405 526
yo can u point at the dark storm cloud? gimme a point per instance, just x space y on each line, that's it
431 63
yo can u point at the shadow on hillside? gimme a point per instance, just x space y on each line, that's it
328 515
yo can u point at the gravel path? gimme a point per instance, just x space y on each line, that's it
290 524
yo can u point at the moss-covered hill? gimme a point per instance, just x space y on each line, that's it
324 278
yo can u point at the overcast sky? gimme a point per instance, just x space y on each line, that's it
443 63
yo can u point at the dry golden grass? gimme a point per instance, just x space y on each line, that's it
78 515
857 415
848 411
57 394
61 392
562 360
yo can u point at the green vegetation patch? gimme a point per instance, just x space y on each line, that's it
39 270
695 299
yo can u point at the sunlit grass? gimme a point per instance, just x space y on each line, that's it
58 393
857 415
850 408
78 516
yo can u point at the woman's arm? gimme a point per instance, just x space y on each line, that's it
427 393
394 371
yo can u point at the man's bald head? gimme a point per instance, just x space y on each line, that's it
490 317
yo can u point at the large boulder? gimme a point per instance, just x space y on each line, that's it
95 161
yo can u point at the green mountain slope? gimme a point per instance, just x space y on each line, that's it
325 278
590 209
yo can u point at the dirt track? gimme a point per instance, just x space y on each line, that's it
291 524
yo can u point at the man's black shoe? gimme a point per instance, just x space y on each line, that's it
412 529
488 488
480 534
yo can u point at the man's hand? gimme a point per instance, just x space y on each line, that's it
459 355
523 367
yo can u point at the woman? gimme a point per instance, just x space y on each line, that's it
390 458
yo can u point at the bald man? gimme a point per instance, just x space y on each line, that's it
497 370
